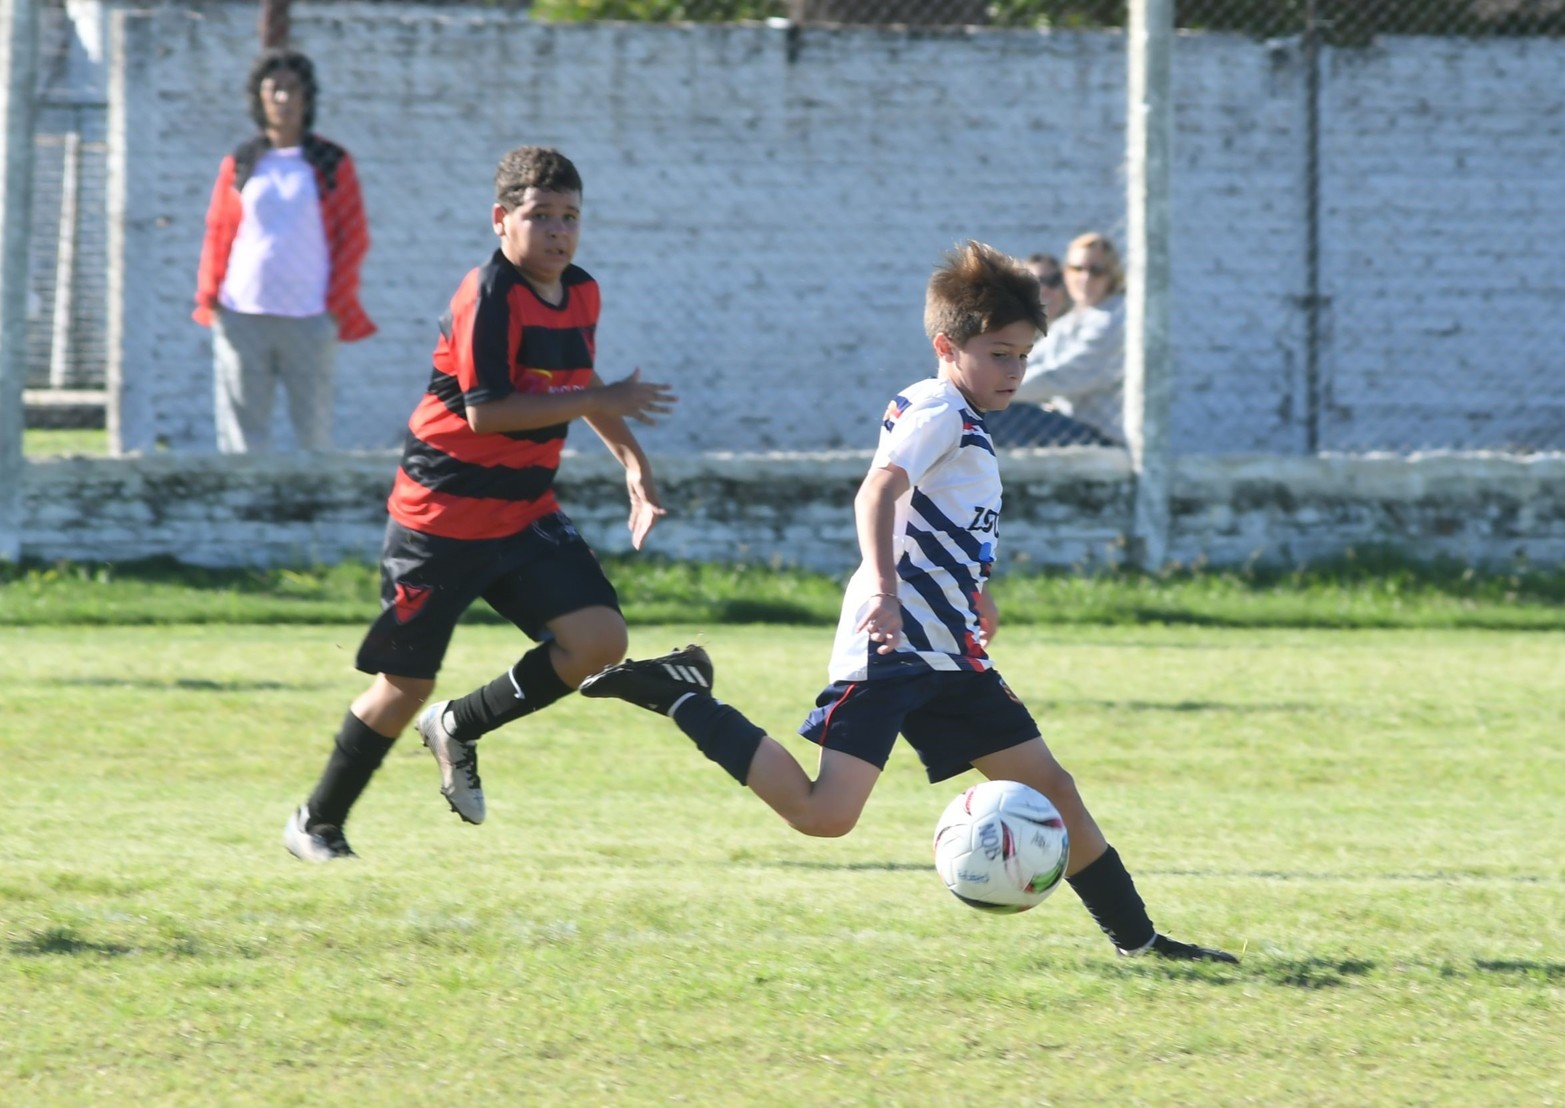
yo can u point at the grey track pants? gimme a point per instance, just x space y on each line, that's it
251 356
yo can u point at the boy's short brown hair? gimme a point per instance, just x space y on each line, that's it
977 289
533 167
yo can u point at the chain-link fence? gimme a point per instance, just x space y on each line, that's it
1366 255
66 288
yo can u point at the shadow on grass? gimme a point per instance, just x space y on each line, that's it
1184 706
1163 969
188 684
874 867
64 940
1313 973
1357 878
1549 973
1290 973
764 611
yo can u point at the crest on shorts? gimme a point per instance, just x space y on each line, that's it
409 600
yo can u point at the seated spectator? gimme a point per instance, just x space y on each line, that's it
1051 285
1022 424
279 276
1077 372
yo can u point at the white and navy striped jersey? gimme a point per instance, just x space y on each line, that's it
947 530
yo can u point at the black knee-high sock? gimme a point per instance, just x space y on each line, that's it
526 687
1107 890
720 732
354 760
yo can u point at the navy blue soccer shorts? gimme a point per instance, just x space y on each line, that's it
950 718
427 582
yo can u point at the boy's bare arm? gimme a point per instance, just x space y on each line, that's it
645 506
874 514
630 398
988 619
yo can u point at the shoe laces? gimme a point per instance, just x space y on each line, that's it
466 761
332 836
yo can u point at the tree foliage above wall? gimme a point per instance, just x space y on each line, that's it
1341 21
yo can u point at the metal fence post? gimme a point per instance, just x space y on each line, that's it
19 40
1312 230
1147 386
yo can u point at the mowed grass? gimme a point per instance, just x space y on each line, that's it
43 442
1373 817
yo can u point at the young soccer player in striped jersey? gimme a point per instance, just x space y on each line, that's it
911 648
473 511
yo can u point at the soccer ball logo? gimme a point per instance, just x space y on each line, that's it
1001 847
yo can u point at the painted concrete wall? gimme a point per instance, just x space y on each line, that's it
1062 508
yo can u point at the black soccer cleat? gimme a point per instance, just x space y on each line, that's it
656 684
1174 950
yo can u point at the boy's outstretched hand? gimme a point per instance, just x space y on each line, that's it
644 508
883 621
632 398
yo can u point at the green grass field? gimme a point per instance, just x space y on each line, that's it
43 442
1373 817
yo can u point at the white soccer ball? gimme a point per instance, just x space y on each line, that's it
1001 847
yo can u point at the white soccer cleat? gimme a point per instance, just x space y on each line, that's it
458 762
322 844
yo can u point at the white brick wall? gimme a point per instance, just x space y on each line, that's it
1068 508
763 218
1446 258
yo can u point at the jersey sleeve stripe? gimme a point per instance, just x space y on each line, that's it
488 359
444 388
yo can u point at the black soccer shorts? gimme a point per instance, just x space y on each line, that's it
950 718
427 582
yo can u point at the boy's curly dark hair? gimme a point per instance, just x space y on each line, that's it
271 61
977 289
536 167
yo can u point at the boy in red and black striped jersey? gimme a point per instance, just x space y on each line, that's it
473 512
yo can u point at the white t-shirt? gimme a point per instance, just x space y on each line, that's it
945 538
278 264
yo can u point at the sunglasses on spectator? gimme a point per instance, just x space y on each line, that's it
1089 270
1053 280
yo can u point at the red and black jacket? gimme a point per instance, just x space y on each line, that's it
342 213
